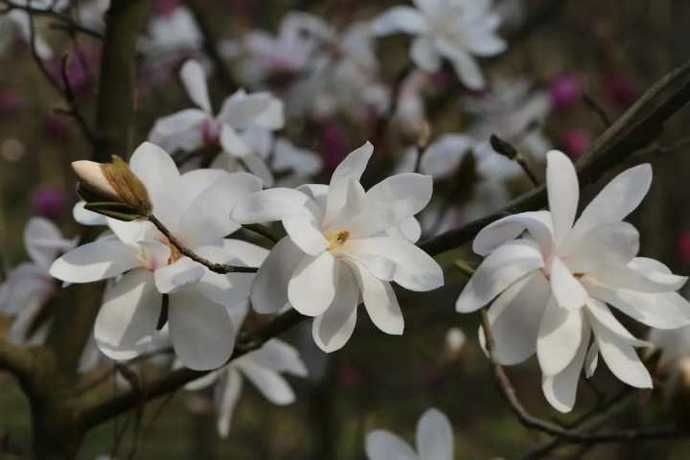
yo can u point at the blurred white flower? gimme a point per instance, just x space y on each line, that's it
145 265
263 369
552 278
343 243
242 129
20 20
435 441
170 33
456 30
29 286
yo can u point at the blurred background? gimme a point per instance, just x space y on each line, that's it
569 66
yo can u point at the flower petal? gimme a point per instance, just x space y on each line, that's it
621 358
560 390
269 383
567 290
560 336
269 292
380 302
423 53
312 287
180 131
615 243
563 190
173 277
601 315
618 199
640 274
537 224
229 395
507 264
400 19
350 169
201 331
382 445
306 234
130 312
443 157
273 204
515 317
281 357
435 436
194 80
332 329
95 261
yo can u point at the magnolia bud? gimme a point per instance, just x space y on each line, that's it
455 341
112 189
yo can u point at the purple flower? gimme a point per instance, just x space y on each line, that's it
49 202
620 90
576 142
334 146
566 91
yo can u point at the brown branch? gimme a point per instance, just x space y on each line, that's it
116 110
17 360
214 267
94 413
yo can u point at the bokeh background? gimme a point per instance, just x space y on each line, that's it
605 51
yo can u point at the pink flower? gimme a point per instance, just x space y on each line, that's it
576 142
334 145
566 91
49 202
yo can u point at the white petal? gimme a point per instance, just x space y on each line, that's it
273 204
560 390
615 243
499 270
157 170
563 190
306 234
257 166
618 199
130 311
194 80
399 19
242 110
232 143
641 274
281 357
409 229
515 317
44 241
86 217
184 271
601 315
269 383
538 224
423 53
592 359
435 436
666 310
334 327
269 292
350 169
181 131
443 157
312 287
414 269
567 290
201 331
230 394
465 65
382 445
352 211
380 302
621 358
560 336
95 261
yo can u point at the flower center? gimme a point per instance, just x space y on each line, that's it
337 239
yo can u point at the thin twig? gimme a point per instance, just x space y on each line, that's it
597 109
214 267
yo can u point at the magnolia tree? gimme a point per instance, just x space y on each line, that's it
199 240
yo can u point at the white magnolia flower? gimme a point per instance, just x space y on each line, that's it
241 128
552 278
172 33
29 286
456 30
674 344
263 368
344 245
294 163
516 112
435 441
195 208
